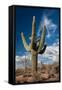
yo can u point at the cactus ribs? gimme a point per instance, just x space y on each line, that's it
35 47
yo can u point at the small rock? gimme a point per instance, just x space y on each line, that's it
30 79
44 76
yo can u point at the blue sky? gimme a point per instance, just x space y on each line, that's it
24 17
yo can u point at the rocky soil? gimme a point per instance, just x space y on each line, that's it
44 73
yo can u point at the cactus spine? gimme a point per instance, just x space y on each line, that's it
33 47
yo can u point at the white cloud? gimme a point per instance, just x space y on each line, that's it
50 25
18 58
56 43
51 54
48 35
22 61
23 57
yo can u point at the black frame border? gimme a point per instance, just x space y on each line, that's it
14 43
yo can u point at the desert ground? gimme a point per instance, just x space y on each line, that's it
46 72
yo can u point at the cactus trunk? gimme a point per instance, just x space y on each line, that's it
33 47
34 63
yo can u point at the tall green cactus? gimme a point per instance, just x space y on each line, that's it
33 47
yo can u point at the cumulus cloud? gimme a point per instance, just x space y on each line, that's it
23 57
56 42
24 60
51 54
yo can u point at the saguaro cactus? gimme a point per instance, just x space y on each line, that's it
36 46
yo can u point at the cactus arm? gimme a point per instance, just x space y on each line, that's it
42 39
27 47
33 32
43 50
36 46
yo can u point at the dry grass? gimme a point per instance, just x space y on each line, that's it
46 73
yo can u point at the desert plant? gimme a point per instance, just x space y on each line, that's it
36 46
